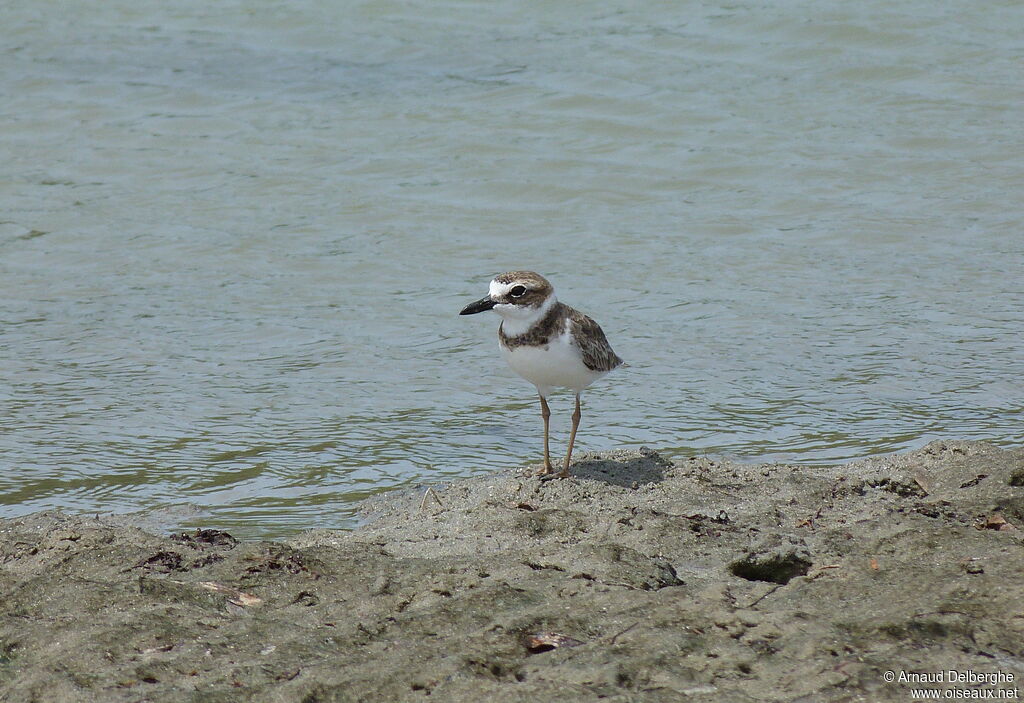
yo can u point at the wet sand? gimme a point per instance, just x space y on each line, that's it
637 580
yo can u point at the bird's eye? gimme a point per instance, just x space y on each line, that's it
518 291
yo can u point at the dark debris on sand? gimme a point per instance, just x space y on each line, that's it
638 580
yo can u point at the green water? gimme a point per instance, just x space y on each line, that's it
234 239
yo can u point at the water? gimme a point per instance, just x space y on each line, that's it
234 239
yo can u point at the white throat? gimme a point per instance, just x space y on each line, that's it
518 320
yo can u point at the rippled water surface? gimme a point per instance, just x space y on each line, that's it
234 238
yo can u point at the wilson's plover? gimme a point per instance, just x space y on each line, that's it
546 342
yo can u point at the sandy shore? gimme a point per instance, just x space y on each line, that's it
638 580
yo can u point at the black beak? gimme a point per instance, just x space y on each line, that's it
481 305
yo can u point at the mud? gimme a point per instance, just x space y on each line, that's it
637 580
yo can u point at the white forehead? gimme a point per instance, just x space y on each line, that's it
498 289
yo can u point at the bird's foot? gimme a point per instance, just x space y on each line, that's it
547 472
550 475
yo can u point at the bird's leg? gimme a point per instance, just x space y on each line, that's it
572 438
545 413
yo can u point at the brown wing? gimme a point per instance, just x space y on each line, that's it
597 353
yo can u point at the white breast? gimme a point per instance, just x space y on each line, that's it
557 364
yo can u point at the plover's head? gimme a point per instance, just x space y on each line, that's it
516 295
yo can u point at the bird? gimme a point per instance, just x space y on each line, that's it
546 342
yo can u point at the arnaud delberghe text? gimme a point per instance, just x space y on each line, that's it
953 676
